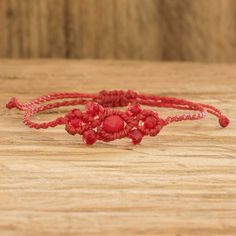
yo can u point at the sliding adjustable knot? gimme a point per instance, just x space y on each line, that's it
223 121
13 103
116 98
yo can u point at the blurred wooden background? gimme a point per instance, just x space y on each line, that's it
198 30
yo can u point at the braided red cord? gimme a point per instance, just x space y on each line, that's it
100 122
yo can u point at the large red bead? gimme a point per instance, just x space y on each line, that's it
113 124
135 136
89 137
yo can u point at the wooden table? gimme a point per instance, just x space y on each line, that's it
182 182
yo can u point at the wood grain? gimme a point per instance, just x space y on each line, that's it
179 30
179 183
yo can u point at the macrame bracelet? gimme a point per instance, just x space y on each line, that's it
100 122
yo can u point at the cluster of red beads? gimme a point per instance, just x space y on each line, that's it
106 124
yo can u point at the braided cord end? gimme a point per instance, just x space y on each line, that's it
13 103
224 121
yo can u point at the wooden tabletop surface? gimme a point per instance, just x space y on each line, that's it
182 182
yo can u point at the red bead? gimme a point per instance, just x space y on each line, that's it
71 130
113 124
92 108
77 112
135 109
150 122
135 136
76 122
89 137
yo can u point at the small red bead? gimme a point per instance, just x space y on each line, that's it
92 108
70 115
77 112
135 136
76 122
113 123
150 122
71 130
89 137
135 109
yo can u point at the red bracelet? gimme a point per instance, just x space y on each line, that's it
100 122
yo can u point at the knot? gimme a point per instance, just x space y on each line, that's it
223 121
13 103
115 98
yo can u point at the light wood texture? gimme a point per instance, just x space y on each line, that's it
180 30
182 182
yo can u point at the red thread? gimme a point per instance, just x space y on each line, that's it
100 122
